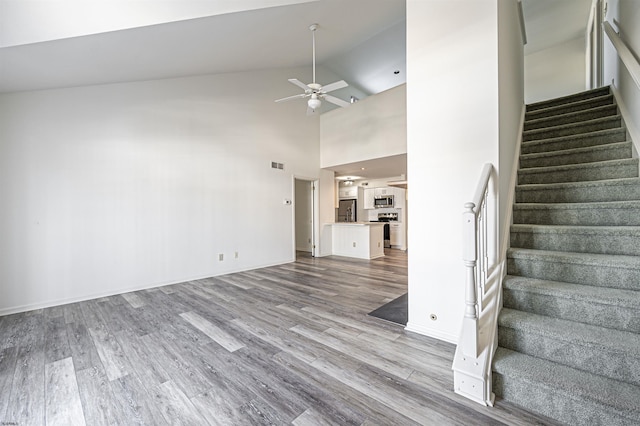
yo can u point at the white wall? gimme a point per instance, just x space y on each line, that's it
511 98
375 127
463 110
556 71
452 120
327 214
629 16
111 188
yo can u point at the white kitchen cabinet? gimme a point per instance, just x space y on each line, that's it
369 195
383 191
394 233
397 235
399 197
348 192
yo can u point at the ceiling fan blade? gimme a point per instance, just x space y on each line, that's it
334 86
299 84
288 98
336 101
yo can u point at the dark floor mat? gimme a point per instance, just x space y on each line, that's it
396 311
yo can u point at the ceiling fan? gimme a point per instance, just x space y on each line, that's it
314 91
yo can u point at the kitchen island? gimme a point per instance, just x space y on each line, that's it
362 240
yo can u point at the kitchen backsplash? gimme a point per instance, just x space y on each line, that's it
373 214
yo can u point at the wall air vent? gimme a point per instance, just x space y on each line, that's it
279 166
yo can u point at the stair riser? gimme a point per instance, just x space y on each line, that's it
617 153
616 243
588 312
579 174
570 118
584 356
587 217
565 109
614 192
596 275
568 99
558 132
596 139
566 408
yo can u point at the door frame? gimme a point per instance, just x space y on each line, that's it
315 213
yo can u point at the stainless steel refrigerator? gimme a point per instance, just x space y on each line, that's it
346 211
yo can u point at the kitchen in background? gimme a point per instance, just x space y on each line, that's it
376 201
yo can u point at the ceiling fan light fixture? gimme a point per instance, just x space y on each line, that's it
314 103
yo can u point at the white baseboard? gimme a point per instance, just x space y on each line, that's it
430 332
57 302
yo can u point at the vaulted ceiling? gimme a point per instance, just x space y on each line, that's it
64 43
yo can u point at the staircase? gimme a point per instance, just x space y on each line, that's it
569 332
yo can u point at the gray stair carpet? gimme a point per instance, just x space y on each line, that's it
569 330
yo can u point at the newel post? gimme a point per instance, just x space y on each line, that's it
470 321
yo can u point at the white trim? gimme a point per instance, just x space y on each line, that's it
634 134
429 332
58 302
508 220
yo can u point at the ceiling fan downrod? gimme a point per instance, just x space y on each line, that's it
313 29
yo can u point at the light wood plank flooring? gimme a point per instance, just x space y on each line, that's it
289 344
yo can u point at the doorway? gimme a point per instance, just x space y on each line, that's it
304 201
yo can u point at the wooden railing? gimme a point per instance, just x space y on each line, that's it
477 342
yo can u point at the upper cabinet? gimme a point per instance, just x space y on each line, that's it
347 192
369 195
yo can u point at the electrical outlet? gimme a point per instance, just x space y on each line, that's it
354 243
378 243
237 255
221 257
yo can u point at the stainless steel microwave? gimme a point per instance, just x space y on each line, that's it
382 201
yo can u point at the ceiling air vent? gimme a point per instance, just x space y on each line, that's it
279 166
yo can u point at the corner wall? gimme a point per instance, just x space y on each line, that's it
452 120
629 11
556 71
108 189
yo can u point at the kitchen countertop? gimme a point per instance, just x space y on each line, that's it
357 223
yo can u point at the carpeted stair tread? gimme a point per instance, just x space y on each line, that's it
605 213
570 107
571 117
625 189
596 399
600 137
599 170
627 262
604 270
604 351
609 122
604 307
613 151
575 97
573 331
618 240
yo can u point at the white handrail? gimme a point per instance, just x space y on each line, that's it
472 360
625 54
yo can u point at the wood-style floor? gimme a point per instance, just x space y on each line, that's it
289 344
